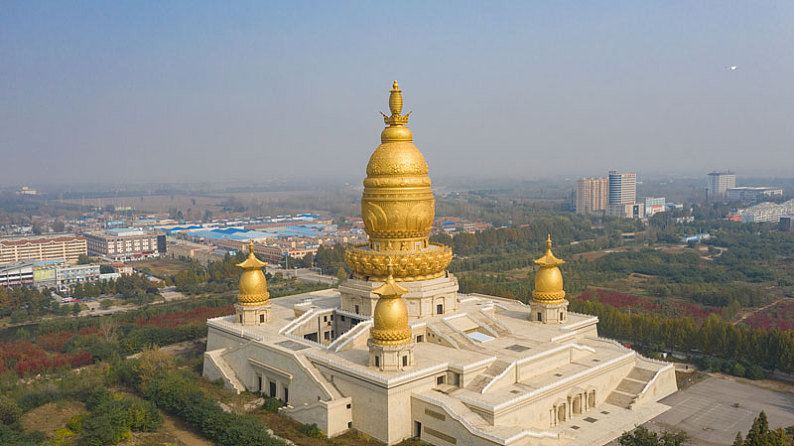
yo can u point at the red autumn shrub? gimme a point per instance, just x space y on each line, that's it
185 317
780 315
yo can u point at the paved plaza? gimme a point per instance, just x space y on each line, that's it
713 410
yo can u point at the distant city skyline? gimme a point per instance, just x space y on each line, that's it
118 93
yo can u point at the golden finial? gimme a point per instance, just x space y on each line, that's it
251 262
548 259
395 100
390 288
396 107
389 264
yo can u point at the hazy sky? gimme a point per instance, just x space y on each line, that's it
184 91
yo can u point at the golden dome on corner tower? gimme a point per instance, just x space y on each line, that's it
398 208
253 285
390 319
548 279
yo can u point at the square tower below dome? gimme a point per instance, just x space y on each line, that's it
425 298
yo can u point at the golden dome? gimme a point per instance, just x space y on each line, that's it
398 207
253 285
391 315
397 158
548 279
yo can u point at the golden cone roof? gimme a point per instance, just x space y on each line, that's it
548 259
390 288
251 262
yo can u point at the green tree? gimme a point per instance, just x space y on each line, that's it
9 410
76 309
19 316
106 427
641 436
758 435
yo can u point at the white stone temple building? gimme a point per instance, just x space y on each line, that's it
397 352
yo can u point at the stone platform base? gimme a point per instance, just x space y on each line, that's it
425 298
254 314
549 313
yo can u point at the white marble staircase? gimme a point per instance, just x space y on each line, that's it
485 378
486 322
630 387
227 374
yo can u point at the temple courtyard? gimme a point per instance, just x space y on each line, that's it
713 410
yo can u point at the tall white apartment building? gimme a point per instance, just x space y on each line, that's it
592 195
718 184
623 195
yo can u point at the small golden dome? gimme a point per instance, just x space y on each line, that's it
548 279
253 284
390 321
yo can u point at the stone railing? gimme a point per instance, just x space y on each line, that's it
352 315
649 384
511 368
615 343
347 337
588 321
496 321
304 340
239 332
454 329
298 321
443 336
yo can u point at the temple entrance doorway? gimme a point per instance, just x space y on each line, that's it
577 404
561 413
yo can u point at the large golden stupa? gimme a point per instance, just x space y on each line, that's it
397 208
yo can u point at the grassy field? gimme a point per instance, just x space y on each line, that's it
257 203
51 416
162 267
157 203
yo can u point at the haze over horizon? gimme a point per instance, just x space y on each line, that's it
199 91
